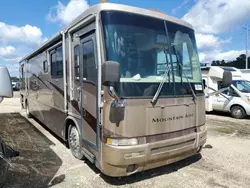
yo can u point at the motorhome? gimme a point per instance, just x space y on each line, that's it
234 99
122 86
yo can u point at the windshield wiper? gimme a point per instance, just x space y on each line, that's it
157 93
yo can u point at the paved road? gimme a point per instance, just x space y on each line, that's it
11 105
45 162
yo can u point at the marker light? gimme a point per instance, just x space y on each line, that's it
122 142
157 11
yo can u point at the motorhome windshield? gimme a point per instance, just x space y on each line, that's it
144 47
242 85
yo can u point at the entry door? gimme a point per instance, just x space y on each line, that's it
88 81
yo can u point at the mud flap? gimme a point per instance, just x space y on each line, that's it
6 153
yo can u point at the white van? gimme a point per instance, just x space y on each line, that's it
234 99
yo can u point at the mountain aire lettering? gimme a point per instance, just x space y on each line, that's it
160 120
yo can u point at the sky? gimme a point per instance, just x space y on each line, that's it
218 24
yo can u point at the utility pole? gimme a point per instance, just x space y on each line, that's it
246 28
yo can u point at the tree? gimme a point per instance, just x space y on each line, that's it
14 79
239 63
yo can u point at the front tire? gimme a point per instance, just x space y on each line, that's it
238 112
74 142
28 110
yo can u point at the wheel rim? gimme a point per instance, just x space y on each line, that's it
237 112
27 109
74 139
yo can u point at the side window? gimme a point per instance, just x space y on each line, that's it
45 66
22 71
53 64
204 83
56 58
77 61
226 92
229 92
89 65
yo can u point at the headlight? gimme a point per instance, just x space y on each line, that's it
248 99
122 142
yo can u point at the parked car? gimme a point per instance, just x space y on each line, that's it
15 86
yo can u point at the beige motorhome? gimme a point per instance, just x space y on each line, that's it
122 86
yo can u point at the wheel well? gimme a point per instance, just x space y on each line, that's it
237 105
67 124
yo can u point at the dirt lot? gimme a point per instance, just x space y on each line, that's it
45 162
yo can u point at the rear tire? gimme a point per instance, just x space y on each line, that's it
199 150
28 110
238 112
74 142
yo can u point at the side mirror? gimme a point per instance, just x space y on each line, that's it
5 84
110 73
227 79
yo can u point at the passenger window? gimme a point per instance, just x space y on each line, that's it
77 61
22 71
229 92
45 66
89 66
226 92
57 63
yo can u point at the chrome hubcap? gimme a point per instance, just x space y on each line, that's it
237 112
74 139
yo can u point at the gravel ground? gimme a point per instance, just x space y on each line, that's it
45 162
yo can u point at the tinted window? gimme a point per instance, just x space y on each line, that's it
230 91
53 64
77 61
89 66
22 72
145 48
45 66
57 63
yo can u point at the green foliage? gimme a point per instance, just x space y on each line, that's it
239 63
14 79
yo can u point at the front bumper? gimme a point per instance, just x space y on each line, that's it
116 159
